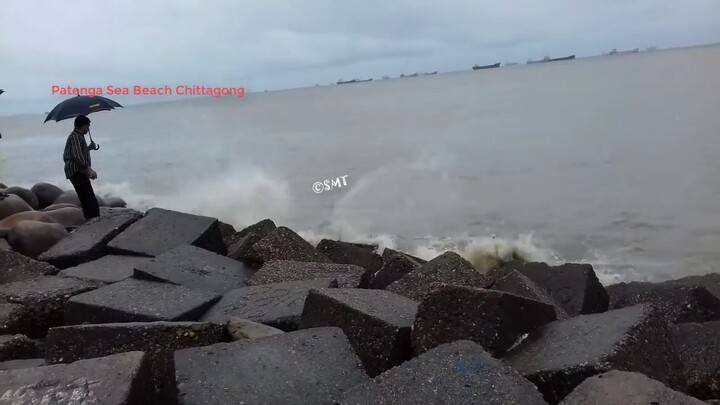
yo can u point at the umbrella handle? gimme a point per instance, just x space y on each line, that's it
97 146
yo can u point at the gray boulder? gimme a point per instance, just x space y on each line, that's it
27 195
46 194
32 238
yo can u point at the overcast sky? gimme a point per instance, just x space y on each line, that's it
288 43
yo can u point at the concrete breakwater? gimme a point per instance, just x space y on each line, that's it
164 307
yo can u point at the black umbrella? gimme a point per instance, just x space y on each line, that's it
2 91
80 105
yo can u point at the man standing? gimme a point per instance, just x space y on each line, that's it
78 169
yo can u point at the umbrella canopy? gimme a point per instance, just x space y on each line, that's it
2 91
80 105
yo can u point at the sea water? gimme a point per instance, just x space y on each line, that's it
612 161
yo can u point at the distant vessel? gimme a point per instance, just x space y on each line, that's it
386 77
511 64
548 59
478 67
353 81
616 52
430 73
412 75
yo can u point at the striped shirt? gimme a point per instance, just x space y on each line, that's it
76 155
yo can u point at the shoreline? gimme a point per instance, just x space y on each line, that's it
133 291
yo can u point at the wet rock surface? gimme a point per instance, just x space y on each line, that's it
448 268
277 271
350 253
16 267
454 373
312 366
559 356
134 300
678 302
574 286
698 345
118 379
158 340
279 305
395 265
516 283
240 329
161 230
41 303
193 267
15 347
108 269
621 387
377 323
282 244
89 241
494 319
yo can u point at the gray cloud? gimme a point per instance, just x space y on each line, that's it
285 43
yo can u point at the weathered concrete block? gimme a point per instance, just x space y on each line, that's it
107 269
279 305
134 300
118 379
16 267
89 241
679 303
394 267
458 373
559 356
574 286
262 228
241 246
226 232
377 322
195 268
282 244
711 281
622 387
24 363
279 271
447 268
158 340
42 303
518 284
698 345
350 253
14 347
494 319
161 230
312 366
240 329
10 315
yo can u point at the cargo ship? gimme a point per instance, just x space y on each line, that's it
548 59
478 67
353 81
430 73
616 52
412 75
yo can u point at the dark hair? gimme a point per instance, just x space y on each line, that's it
81 120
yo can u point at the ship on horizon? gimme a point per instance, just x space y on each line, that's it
549 59
493 66
353 81
412 75
616 52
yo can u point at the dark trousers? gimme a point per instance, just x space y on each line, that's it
85 192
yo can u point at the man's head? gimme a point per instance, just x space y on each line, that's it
82 124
